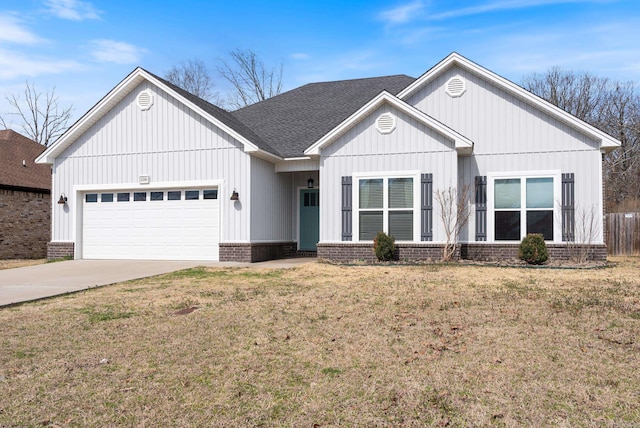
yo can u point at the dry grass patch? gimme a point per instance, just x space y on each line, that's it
11 264
324 345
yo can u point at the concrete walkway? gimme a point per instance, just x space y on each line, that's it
51 279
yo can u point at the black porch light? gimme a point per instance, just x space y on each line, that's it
234 195
310 183
63 199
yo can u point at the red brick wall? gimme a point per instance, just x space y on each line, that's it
353 251
256 252
497 252
345 252
25 224
59 250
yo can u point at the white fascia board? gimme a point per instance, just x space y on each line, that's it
462 144
298 158
607 143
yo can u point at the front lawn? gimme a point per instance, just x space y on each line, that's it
323 345
16 263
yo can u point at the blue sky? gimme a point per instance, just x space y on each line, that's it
84 48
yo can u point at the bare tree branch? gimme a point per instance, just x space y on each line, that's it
454 214
194 77
41 120
611 106
251 80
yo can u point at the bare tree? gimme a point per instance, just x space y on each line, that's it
251 80
611 106
621 119
194 77
42 118
583 95
454 214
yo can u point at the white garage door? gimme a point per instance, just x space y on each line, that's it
152 225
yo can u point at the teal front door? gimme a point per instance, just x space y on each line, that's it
309 219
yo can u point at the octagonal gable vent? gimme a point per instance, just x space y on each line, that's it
456 86
386 123
145 100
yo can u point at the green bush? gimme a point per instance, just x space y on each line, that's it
533 250
384 246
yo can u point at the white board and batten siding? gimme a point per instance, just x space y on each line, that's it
412 146
511 135
170 143
271 203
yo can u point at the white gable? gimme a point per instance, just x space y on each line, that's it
512 94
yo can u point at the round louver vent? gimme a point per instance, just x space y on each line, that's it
386 123
456 87
145 100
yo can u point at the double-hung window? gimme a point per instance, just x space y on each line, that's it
386 204
524 204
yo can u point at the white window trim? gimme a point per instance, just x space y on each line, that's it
523 175
415 175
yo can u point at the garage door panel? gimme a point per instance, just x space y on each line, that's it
152 229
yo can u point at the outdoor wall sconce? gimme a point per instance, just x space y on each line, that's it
234 195
63 199
310 183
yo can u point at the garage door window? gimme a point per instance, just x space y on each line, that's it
174 195
210 194
139 196
192 195
106 197
123 197
91 197
157 196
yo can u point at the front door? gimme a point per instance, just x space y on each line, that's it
309 219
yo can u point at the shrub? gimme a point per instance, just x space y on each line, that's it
533 250
384 246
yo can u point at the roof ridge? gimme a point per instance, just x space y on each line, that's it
327 82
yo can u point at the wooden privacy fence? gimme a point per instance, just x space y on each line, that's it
623 233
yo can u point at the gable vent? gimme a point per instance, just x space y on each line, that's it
145 100
386 123
456 86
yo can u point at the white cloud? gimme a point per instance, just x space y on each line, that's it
73 10
501 5
14 32
402 14
15 64
104 50
611 52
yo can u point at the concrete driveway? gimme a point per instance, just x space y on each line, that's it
37 282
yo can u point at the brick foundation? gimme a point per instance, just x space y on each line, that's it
60 250
561 252
256 252
25 224
355 251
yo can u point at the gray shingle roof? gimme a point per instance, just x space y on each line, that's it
291 122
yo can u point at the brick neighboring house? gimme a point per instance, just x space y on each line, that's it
25 198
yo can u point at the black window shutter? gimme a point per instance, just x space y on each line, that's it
347 216
568 208
426 204
481 208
